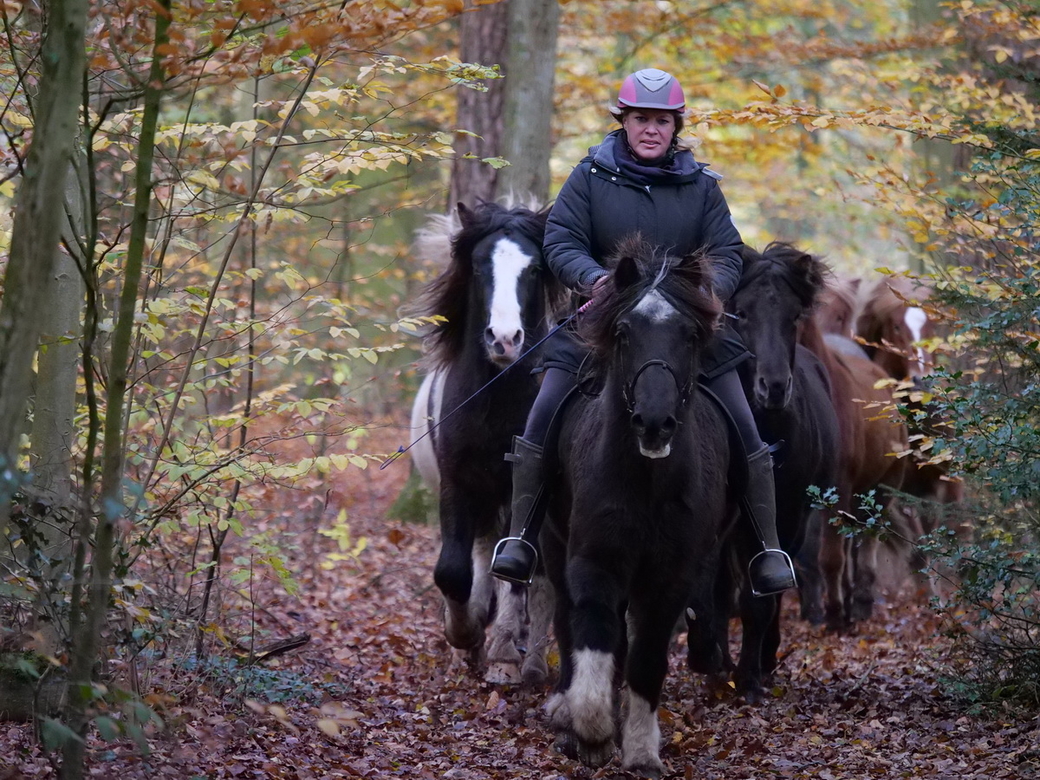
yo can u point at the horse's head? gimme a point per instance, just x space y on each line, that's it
775 300
495 291
836 310
505 253
894 325
648 327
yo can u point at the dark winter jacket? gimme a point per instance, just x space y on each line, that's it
680 209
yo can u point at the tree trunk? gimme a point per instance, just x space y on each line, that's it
37 223
483 34
87 637
54 410
528 109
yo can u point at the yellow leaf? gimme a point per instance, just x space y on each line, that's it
329 727
779 90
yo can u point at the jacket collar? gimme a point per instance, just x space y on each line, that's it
603 154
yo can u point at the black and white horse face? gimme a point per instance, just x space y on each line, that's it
768 316
508 266
655 345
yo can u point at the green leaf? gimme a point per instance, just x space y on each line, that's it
56 734
107 728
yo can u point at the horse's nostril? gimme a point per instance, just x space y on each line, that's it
637 422
489 336
668 426
518 338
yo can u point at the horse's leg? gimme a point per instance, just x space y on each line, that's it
461 572
861 606
757 616
540 598
810 581
596 593
556 708
503 655
707 621
832 565
652 616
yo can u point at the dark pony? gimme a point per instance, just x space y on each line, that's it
789 392
638 520
492 302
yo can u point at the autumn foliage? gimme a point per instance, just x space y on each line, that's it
298 147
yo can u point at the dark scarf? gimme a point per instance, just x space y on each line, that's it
640 170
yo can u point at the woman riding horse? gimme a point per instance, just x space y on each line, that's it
641 179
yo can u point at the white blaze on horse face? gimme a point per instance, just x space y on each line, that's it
916 319
590 696
655 307
504 322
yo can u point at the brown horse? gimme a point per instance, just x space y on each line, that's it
871 433
837 306
897 325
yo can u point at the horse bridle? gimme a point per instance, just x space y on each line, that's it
628 390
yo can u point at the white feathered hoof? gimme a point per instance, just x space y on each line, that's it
503 673
653 770
559 713
535 671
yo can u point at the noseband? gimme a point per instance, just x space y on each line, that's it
628 391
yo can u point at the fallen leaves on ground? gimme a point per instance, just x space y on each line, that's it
873 703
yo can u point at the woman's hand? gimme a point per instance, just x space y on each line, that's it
598 287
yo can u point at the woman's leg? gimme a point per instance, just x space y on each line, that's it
516 556
771 570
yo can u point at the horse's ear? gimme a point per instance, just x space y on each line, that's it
465 214
696 269
811 269
626 273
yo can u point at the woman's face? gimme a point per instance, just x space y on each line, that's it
649 131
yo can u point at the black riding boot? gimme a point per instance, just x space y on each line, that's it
516 556
770 571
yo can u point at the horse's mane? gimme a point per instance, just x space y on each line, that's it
684 281
448 240
889 294
805 274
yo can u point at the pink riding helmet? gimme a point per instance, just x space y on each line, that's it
651 88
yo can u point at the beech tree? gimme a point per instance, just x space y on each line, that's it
38 223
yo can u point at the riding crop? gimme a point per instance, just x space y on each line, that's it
402 450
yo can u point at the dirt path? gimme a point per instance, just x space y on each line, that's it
867 705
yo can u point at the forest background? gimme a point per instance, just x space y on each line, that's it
216 337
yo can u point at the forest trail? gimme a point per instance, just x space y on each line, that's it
390 703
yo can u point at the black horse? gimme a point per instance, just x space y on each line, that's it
789 392
638 520
495 298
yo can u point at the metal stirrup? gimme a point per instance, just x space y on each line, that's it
534 552
790 565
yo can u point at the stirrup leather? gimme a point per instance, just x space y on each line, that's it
498 548
751 563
